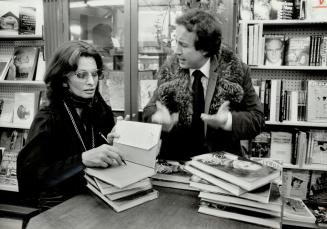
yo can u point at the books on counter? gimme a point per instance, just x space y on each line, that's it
128 201
296 210
239 214
128 185
242 172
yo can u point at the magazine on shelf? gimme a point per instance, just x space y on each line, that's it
139 144
239 214
317 101
240 171
25 108
24 63
27 20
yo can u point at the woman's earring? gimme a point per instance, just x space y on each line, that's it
64 84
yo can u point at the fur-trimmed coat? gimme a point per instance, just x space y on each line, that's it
229 80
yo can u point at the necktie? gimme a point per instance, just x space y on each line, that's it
198 104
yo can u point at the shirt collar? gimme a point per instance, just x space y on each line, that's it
205 69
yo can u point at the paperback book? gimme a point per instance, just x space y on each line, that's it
240 171
296 210
317 101
172 171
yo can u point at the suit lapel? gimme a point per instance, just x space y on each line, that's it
211 84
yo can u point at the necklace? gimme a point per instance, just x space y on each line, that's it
76 129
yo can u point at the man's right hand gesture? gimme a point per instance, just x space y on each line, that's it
163 117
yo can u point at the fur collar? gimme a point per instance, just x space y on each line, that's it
175 90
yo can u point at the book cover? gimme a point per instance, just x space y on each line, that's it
172 184
318 182
4 66
274 204
128 202
106 188
25 107
240 215
24 64
260 145
7 101
240 171
296 210
318 154
171 171
298 51
281 146
317 100
274 50
232 188
8 176
295 183
27 20
260 194
9 19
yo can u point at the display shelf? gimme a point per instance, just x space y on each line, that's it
318 167
14 126
283 22
304 68
22 37
12 82
298 123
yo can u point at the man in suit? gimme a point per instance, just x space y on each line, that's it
205 100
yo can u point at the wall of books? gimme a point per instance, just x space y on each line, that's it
22 68
285 45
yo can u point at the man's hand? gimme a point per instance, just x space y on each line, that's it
163 117
102 156
219 119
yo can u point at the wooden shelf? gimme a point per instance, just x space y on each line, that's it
19 82
304 68
283 22
14 126
22 37
299 123
320 167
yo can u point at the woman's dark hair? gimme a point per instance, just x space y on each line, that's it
206 28
64 61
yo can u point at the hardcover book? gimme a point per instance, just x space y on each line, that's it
127 202
8 178
298 51
25 108
318 182
240 214
240 171
139 144
24 64
296 210
260 145
261 194
274 50
232 188
281 146
295 183
317 101
172 171
27 20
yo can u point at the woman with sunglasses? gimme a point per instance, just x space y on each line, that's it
65 135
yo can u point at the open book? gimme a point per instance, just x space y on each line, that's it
139 144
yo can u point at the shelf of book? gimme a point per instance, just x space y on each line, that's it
304 68
283 22
23 83
297 123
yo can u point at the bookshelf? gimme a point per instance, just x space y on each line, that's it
13 34
287 28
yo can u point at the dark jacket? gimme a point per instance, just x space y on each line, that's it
229 80
50 162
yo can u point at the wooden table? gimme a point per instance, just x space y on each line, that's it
173 209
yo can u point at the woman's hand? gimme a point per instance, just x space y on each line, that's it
102 156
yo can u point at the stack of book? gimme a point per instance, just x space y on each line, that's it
237 188
128 185
172 174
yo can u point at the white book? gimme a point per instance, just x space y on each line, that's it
7 112
294 106
232 188
296 210
273 222
125 193
25 108
255 43
124 204
250 44
273 205
281 146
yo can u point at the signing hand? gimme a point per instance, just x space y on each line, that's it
219 119
163 117
102 156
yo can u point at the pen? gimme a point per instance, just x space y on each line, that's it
104 138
